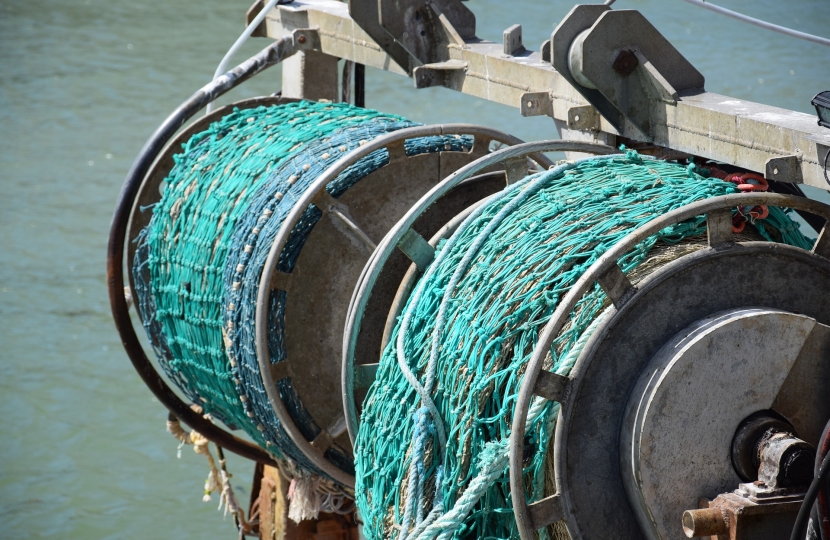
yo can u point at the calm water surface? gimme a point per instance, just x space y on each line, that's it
83 451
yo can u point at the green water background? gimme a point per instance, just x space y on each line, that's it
83 451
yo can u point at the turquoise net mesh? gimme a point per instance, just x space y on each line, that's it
431 451
220 193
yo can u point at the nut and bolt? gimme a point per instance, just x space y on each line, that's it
626 63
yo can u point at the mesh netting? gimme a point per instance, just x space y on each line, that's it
432 447
219 209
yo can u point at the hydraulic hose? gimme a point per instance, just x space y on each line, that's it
819 482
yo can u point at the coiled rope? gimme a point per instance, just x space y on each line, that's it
431 450
199 261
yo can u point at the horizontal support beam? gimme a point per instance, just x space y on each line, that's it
733 131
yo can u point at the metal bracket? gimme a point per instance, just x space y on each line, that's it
512 40
536 104
546 511
365 375
622 65
552 386
416 249
438 74
450 33
719 228
580 18
306 39
616 285
515 169
414 33
784 169
544 51
585 118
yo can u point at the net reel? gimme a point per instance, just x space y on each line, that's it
363 339
700 343
588 440
313 322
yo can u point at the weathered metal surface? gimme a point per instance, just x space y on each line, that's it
784 169
585 118
666 303
416 249
725 129
699 284
722 368
705 522
536 104
552 386
364 375
646 72
546 512
734 516
436 74
616 285
803 398
310 75
516 169
786 461
575 23
512 40
414 33
377 269
719 228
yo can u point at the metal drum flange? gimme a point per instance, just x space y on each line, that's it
594 490
320 286
368 322
684 411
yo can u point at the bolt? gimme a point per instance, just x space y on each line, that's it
301 39
626 63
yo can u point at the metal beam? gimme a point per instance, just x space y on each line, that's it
733 131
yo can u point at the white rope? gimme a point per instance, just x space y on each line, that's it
760 23
223 65
752 20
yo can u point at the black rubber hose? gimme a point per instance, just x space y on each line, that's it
823 505
271 55
822 476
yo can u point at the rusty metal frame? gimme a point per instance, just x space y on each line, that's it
620 291
738 132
